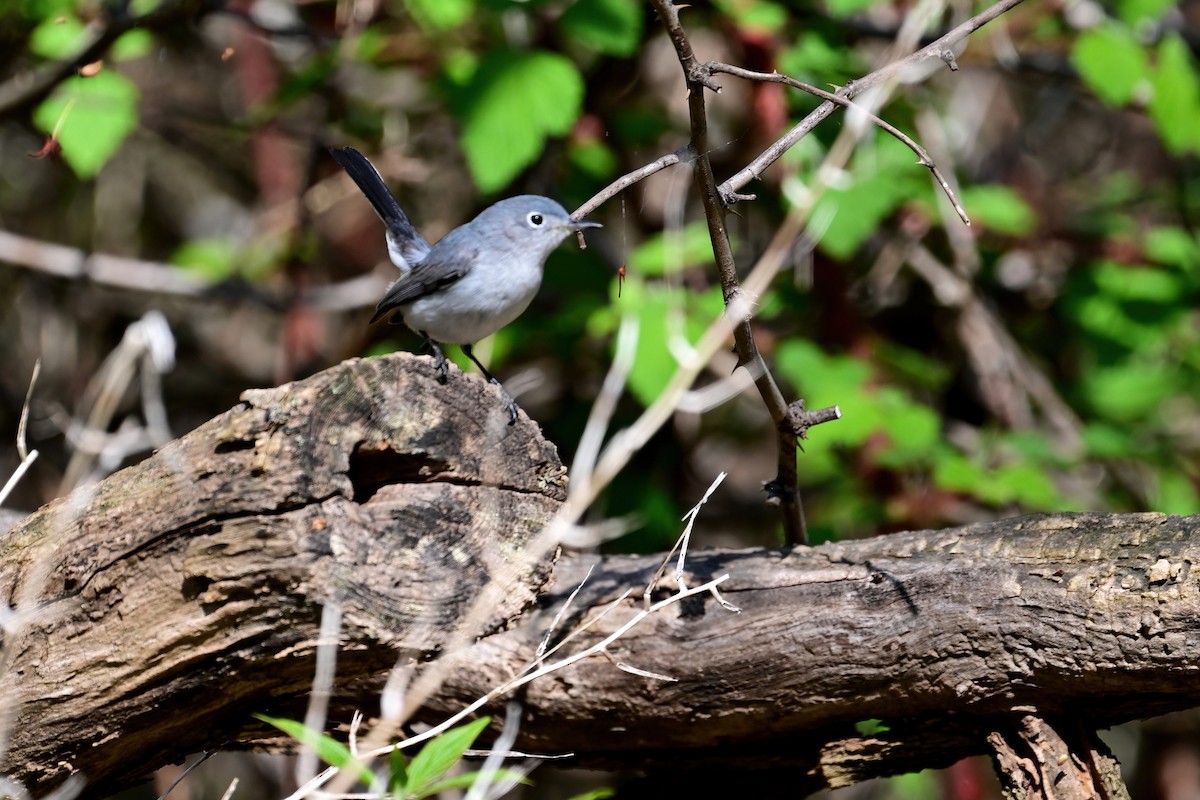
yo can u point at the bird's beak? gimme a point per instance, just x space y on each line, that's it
578 225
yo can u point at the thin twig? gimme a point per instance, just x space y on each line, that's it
924 158
26 89
934 50
322 685
785 486
541 650
681 545
22 449
514 684
683 154
207 754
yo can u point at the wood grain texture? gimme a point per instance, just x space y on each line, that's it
938 635
179 596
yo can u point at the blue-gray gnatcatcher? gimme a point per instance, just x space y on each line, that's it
476 279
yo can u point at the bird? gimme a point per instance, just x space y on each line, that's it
473 281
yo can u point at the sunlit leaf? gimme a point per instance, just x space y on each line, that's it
58 37
512 103
1129 391
672 251
1112 63
440 15
441 753
328 749
609 26
1175 106
96 115
999 208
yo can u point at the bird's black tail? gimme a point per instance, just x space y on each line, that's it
401 234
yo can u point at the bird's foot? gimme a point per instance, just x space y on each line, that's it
510 405
441 364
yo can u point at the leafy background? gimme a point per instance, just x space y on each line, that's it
1047 358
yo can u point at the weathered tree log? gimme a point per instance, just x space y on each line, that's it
179 596
184 594
935 637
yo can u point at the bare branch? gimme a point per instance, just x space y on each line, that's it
684 153
26 89
936 49
924 158
714 212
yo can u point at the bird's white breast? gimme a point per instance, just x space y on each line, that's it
482 302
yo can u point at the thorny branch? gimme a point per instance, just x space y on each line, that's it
783 490
775 77
785 484
938 49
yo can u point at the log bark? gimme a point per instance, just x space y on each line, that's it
158 611
858 659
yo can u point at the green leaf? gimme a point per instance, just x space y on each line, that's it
96 113
58 37
755 16
826 380
845 8
871 727
1145 284
609 26
925 785
1112 63
1103 440
1129 392
212 257
999 208
954 472
913 430
132 45
593 157
1026 484
1135 12
596 794
467 779
1173 246
398 773
1175 105
328 749
665 312
672 251
440 15
813 54
1176 493
441 753
511 104
880 184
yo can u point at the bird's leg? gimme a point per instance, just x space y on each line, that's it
440 362
510 405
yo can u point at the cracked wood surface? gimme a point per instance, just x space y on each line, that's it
177 597
938 635
184 594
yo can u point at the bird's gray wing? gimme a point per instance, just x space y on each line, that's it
430 276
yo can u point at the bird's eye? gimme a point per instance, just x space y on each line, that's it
536 219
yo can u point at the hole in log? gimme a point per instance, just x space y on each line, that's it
233 446
371 470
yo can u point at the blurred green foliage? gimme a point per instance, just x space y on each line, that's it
1083 249
1074 155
